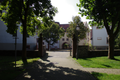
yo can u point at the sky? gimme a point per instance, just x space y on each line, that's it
66 10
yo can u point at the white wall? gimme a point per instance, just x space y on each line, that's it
55 46
99 37
7 40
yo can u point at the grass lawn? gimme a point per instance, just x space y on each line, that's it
7 67
104 76
100 62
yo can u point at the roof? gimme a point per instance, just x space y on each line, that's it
65 26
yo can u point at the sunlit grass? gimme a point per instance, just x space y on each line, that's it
19 63
104 76
100 62
7 67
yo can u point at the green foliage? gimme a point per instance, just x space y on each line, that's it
91 47
25 12
104 76
99 10
100 62
71 30
52 32
103 13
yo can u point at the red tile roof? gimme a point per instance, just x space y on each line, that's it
65 26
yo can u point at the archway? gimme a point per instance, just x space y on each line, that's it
65 45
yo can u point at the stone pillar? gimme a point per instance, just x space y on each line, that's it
40 46
74 47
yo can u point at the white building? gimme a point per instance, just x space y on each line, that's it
99 38
7 41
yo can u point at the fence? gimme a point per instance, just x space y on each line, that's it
83 52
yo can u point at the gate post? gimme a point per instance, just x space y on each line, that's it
74 47
40 46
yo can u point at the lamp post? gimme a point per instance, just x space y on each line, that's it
77 28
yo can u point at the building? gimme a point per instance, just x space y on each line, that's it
99 38
65 42
7 41
87 40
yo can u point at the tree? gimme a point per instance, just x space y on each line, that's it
105 13
71 30
25 12
52 33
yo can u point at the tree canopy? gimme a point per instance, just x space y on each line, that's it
71 30
105 13
52 33
26 13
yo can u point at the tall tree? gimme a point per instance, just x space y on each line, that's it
25 12
52 33
105 13
71 30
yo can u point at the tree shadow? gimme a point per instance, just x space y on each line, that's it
45 57
106 65
95 74
116 59
49 71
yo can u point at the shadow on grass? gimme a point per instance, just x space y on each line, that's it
7 67
95 74
116 59
106 65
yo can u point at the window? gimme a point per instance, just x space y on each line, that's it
67 39
62 39
99 38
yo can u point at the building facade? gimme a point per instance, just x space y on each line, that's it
7 41
99 38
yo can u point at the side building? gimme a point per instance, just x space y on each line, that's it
99 38
7 41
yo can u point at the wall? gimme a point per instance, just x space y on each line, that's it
19 53
99 37
69 42
7 40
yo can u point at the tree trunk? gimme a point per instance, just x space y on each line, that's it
40 46
111 47
24 57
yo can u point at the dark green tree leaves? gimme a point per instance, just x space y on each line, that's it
105 13
79 34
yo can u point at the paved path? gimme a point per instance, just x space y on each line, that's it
57 65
